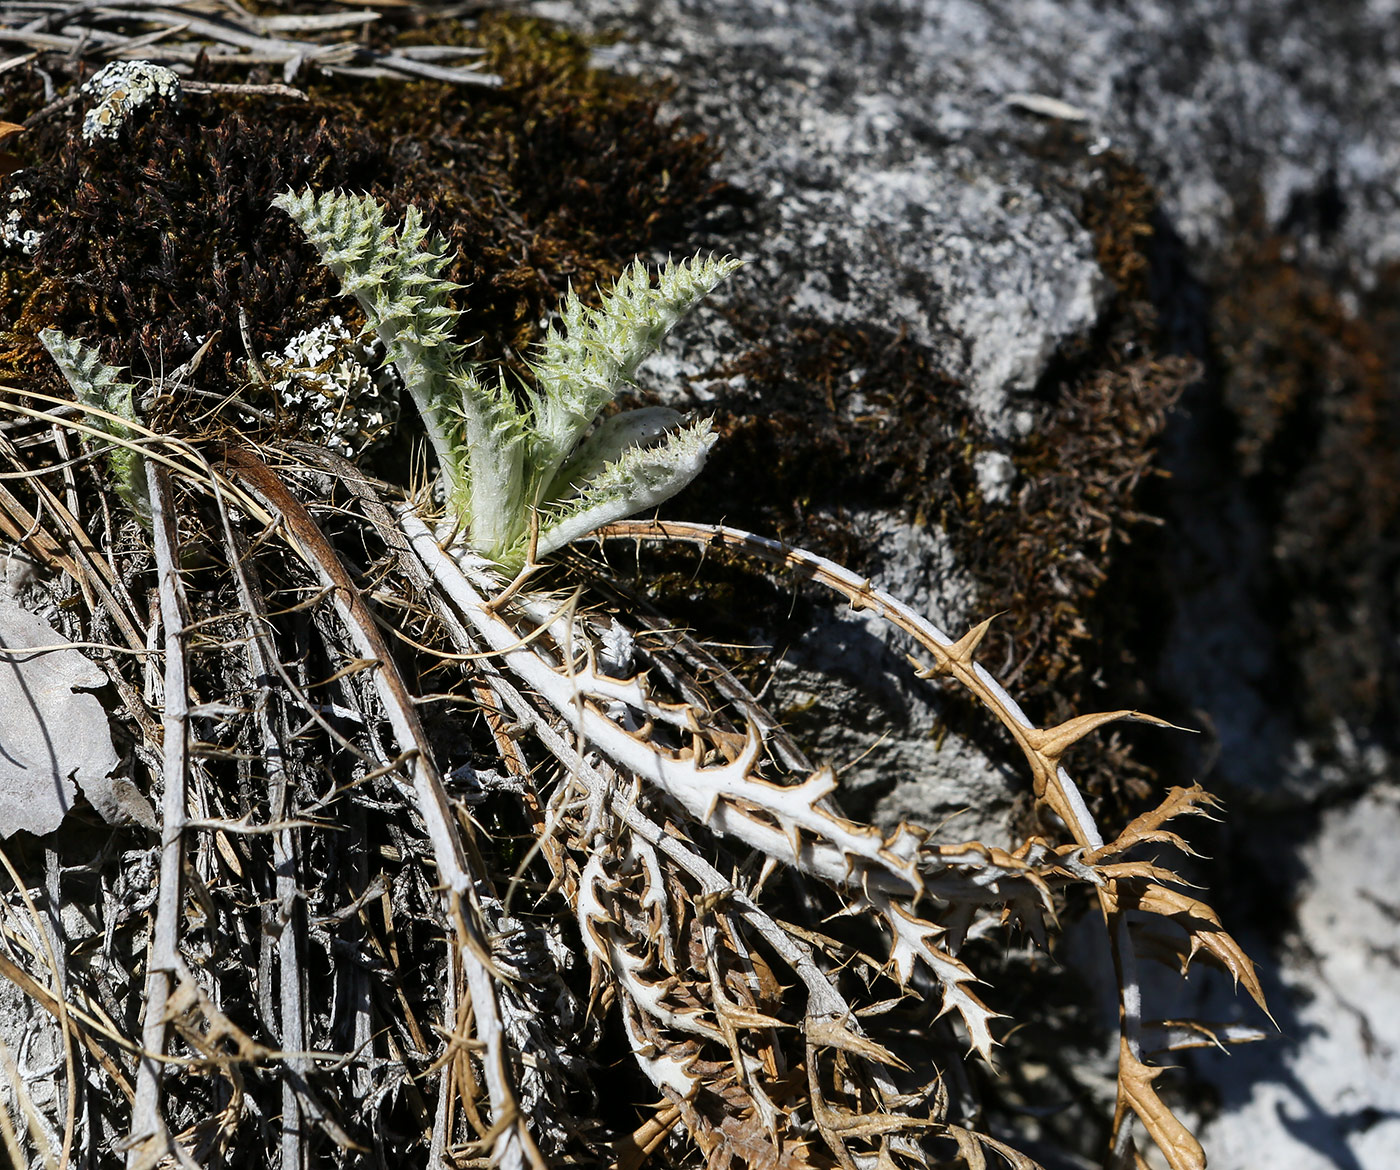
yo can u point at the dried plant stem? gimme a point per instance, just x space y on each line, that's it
84 563
263 661
38 1129
147 1122
56 952
48 939
513 1147
234 36
824 1001
953 658
1042 749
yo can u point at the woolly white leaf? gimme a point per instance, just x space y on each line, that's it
640 478
102 387
396 276
581 369
631 428
500 462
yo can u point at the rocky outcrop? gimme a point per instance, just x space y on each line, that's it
989 246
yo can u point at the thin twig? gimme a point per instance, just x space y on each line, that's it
262 663
513 1147
147 1121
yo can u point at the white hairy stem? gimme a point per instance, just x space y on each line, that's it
878 871
670 776
824 1002
803 833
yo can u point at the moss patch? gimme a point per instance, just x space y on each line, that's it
165 236
1310 384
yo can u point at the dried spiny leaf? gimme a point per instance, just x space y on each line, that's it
1193 801
1136 1092
1163 1036
1205 929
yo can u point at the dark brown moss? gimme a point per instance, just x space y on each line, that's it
1311 386
903 444
560 176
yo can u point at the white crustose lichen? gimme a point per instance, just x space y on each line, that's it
325 376
122 88
13 233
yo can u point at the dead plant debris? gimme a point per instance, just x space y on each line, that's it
445 878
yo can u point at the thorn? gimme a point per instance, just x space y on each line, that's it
715 797
794 834
1053 742
770 865
963 649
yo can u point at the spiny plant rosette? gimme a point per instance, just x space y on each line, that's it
511 472
787 980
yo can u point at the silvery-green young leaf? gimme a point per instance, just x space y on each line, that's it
396 276
581 369
494 504
101 386
640 478
502 464
607 442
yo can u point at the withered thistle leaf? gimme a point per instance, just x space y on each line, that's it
837 1034
1205 929
971 1146
1128 870
1193 801
1162 1036
1137 1092
1053 742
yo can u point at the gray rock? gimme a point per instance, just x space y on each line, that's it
1211 98
1323 1092
889 146
877 725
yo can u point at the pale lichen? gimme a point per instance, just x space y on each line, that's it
122 88
326 377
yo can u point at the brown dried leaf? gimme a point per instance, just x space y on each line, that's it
1146 870
1136 1092
1053 742
1205 929
730 1131
1161 1036
832 1033
9 161
743 1017
1179 802
971 1145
